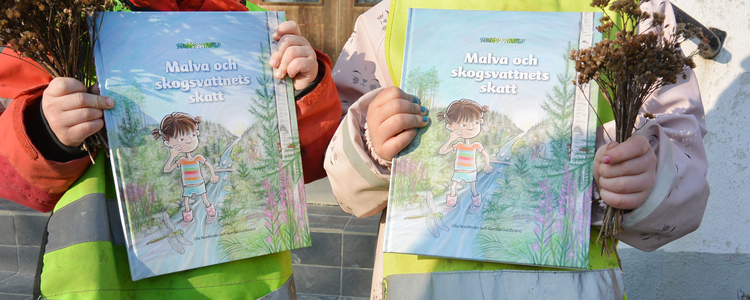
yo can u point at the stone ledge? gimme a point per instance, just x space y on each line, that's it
339 263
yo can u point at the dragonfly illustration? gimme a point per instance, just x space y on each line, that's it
174 237
433 218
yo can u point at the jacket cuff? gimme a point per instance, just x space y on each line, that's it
318 115
27 170
298 94
45 140
359 184
665 175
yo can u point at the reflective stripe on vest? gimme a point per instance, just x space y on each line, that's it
420 277
507 284
82 259
80 222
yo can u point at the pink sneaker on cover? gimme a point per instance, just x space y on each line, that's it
187 216
451 201
211 213
476 202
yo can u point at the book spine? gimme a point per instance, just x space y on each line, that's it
282 93
111 124
581 128
404 68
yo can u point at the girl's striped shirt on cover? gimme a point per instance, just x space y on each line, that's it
191 171
466 156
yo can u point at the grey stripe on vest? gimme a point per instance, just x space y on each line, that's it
507 284
115 223
83 220
356 161
286 291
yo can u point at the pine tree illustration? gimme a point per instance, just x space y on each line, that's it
559 108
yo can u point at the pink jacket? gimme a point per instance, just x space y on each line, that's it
673 209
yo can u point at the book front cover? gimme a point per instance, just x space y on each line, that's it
503 171
203 139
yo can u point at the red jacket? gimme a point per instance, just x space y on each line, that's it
26 177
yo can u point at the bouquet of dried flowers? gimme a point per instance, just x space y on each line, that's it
629 67
55 34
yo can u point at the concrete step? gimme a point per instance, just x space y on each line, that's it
20 236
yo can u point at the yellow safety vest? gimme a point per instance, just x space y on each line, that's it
85 257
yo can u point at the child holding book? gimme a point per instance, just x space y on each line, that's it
42 167
658 175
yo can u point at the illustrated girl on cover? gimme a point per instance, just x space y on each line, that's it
180 134
464 118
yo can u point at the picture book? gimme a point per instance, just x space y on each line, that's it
503 172
203 139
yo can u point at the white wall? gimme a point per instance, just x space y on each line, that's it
725 87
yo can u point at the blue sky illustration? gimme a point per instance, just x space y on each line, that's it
136 48
441 39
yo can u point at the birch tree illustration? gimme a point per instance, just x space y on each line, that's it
424 85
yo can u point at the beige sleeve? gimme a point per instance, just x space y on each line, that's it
678 199
359 184
676 204
361 66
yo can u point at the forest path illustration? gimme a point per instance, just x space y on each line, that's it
463 223
203 235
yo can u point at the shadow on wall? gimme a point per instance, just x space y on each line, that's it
718 273
728 147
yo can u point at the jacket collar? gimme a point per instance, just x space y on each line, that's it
186 5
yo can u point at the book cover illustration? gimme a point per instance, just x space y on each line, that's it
203 139
503 171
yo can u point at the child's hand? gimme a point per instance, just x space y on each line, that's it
392 119
294 56
454 135
214 178
174 151
72 113
625 172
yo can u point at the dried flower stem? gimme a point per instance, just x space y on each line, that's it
630 67
55 34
